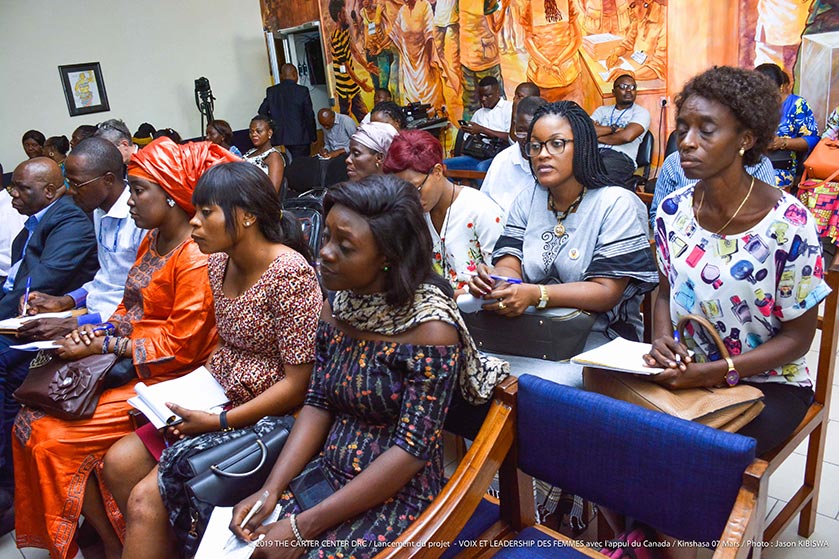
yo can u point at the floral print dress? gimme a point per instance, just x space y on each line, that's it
382 394
467 237
797 121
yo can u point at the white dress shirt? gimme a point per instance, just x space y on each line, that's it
508 175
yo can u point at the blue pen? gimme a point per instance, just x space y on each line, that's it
676 337
497 278
26 295
104 327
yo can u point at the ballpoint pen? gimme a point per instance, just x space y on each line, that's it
257 506
676 337
497 278
26 295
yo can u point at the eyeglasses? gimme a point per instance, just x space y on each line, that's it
627 86
419 188
79 185
555 146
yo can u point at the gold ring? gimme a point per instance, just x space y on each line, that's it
501 305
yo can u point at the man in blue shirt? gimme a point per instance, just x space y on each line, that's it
94 173
671 178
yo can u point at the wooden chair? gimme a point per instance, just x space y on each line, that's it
813 427
465 178
444 519
684 479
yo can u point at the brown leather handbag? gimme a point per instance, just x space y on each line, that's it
65 389
727 409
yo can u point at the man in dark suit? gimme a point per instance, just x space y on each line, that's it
290 107
54 253
56 250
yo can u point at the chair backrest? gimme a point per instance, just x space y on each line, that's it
304 173
458 143
645 154
672 144
680 477
336 170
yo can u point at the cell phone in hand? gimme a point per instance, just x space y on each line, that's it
463 122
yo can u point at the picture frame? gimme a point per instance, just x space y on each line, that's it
84 88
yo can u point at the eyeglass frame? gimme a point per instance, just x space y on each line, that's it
544 145
422 184
627 86
79 186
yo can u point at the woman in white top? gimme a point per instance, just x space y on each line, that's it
264 155
464 223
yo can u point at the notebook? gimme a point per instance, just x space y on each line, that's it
12 325
198 390
218 542
618 355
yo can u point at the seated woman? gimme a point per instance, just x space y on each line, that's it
56 148
797 132
464 223
763 290
82 132
33 143
219 132
389 112
388 358
267 303
165 324
572 239
368 147
263 154
831 128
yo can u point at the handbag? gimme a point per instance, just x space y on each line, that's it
552 334
65 389
823 160
481 146
727 409
822 199
217 469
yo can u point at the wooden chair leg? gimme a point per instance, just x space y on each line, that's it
812 478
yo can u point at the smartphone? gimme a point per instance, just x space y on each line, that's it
463 122
310 487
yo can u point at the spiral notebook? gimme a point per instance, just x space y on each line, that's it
198 390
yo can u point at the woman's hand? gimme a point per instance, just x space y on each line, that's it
690 375
273 547
194 422
81 343
240 511
668 353
512 298
481 285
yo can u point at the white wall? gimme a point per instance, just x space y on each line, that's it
150 51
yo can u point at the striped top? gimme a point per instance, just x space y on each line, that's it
339 42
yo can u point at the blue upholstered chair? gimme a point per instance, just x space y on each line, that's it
686 480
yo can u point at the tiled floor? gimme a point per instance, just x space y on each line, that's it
823 544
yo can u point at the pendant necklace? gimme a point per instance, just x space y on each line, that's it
559 228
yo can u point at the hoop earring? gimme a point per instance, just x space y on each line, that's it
742 152
170 202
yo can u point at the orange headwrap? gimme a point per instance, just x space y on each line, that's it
176 168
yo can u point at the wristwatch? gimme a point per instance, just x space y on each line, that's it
732 377
543 297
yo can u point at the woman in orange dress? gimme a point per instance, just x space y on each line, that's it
165 324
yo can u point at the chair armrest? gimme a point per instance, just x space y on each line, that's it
745 524
446 516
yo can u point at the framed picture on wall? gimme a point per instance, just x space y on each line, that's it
84 88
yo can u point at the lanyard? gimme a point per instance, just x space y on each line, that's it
612 118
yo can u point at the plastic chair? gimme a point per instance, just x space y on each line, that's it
672 144
304 173
336 171
644 161
686 480
813 427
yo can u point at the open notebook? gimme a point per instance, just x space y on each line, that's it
618 355
219 542
11 325
198 390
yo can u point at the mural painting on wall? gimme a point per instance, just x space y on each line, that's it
436 51
771 30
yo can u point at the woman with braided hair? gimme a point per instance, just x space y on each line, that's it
573 239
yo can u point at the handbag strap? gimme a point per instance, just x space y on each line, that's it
702 321
262 458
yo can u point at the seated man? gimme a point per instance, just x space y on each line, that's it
620 129
337 130
380 96
492 119
115 131
524 89
671 178
55 251
510 172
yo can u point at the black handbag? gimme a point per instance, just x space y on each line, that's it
220 475
552 334
483 147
